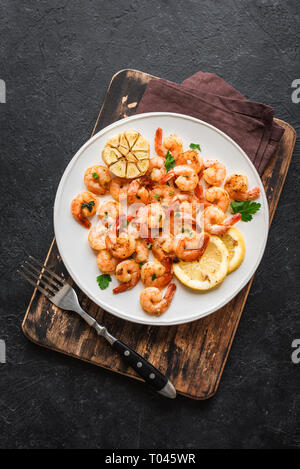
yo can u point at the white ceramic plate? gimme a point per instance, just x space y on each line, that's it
80 260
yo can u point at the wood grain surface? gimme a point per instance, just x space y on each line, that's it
193 355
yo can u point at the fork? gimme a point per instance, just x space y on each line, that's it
60 293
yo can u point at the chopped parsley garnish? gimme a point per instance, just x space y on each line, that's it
168 184
156 196
177 214
169 161
95 175
160 217
153 277
246 209
88 205
195 146
103 281
140 264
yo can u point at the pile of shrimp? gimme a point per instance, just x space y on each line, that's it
171 213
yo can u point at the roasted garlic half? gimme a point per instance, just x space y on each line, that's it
127 154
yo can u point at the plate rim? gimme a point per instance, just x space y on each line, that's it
59 193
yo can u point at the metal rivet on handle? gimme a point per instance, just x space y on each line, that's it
126 353
152 376
139 364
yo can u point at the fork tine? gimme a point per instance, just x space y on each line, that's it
34 284
60 279
40 280
42 274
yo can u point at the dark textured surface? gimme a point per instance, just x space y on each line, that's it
57 59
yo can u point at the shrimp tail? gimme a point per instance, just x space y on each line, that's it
168 264
121 288
205 242
158 143
254 193
234 219
167 177
200 196
76 211
124 287
170 292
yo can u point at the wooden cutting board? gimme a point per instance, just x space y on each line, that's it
193 355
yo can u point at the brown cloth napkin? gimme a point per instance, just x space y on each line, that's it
209 98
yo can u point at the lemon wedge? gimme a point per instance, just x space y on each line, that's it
235 243
209 271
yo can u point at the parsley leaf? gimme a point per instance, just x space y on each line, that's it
95 175
195 146
103 281
156 196
153 277
88 205
169 161
246 209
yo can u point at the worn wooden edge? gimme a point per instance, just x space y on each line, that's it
107 93
136 377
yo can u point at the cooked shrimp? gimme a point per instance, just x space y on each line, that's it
97 235
128 273
189 209
186 177
181 217
214 220
153 302
186 203
118 188
237 188
109 211
200 196
137 193
156 168
218 197
191 246
156 274
156 215
190 158
152 216
215 172
141 253
84 205
163 248
173 144
97 179
106 262
162 193
120 246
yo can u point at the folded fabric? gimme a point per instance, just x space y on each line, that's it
209 98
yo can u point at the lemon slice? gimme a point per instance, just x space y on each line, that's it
127 154
209 271
235 243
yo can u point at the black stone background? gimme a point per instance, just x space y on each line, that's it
57 58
